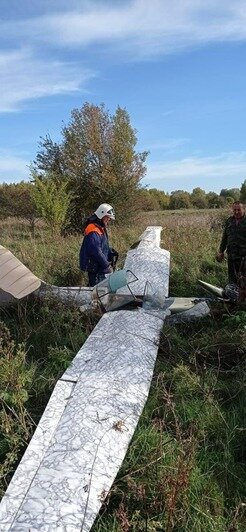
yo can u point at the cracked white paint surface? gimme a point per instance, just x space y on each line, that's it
76 295
149 262
109 379
24 474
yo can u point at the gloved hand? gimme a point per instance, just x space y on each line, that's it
109 269
220 256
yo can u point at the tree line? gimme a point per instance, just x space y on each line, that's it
154 199
95 161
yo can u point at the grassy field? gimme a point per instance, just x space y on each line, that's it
185 468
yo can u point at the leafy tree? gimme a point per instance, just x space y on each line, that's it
213 200
17 200
229 200
148 201
233 193
52 200
222 201
243 192
198 198
50 157
179 199
126 166
162 198
97 156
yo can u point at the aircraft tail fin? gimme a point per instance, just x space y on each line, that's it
15 278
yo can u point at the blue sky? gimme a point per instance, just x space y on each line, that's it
177 66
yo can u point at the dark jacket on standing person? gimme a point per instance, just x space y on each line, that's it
234 237
95 254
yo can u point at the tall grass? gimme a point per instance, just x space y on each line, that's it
185 467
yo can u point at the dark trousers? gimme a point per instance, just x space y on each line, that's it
234 268
95 278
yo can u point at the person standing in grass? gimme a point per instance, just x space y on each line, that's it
234 242
96 257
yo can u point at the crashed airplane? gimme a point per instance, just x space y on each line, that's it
84 433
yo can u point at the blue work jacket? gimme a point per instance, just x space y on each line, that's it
95 254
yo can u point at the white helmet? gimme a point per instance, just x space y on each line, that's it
105 210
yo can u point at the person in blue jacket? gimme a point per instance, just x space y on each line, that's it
96 257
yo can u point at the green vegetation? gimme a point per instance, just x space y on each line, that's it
185 468
60 202
97 158
52 199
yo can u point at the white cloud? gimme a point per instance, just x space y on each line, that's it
226 166
24 77
140 27
13 168
168 144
